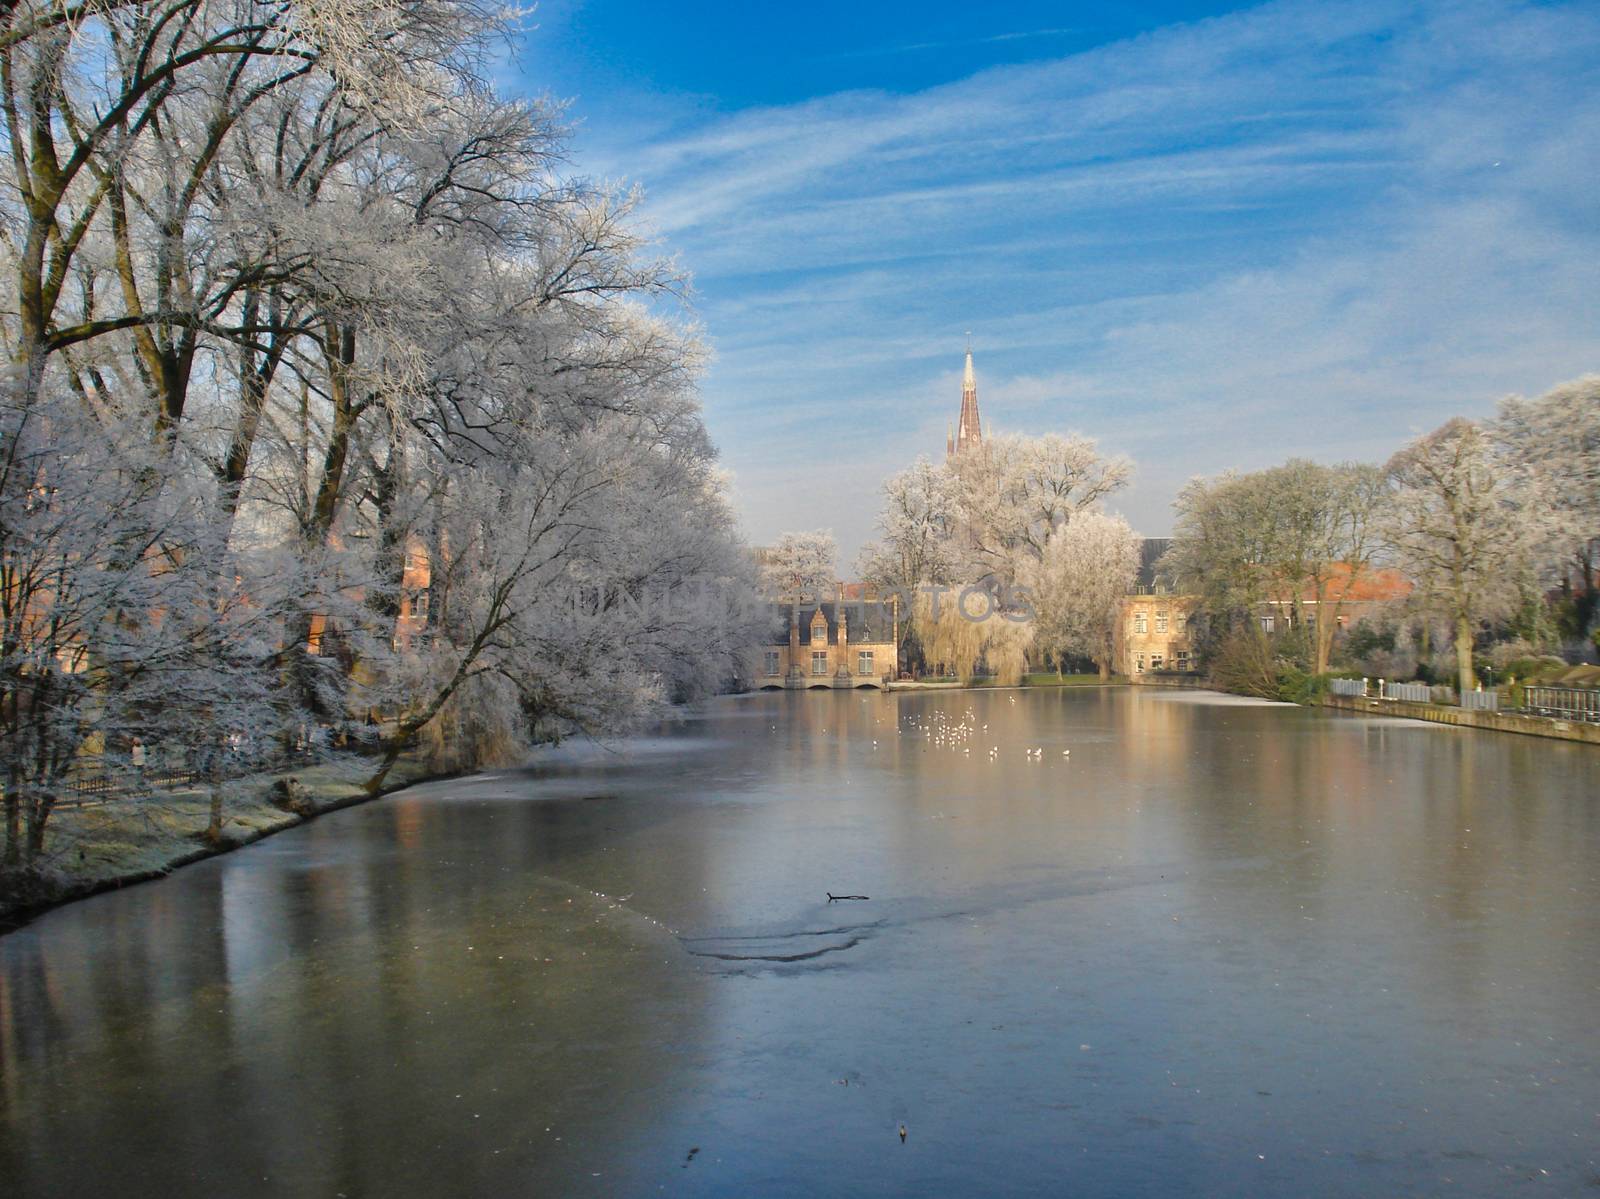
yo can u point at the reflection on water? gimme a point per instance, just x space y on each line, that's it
1116 942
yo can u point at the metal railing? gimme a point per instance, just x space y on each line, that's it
1562 703
1559 703
95 785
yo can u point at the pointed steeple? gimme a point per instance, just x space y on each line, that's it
969 429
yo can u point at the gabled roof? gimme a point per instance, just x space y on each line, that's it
865 620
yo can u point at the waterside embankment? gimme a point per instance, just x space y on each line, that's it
1503 722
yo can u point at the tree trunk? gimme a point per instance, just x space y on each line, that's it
214 827
1105 669
1464 654
1585 599
256 370
391 755
13 852
390 558
339 352
39 809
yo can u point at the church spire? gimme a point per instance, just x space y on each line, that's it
969 429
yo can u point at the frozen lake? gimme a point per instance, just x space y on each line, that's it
1218 948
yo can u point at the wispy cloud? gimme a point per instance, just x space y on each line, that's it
1301 229
954 43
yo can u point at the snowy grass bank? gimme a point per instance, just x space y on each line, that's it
125 841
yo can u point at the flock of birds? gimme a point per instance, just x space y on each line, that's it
943 731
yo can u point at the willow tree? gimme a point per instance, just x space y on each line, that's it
959 628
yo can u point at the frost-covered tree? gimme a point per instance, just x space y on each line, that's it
1012 493
299 303
1458 526
983 518
914 542
801 566
562 589
1088 566
122 616
117 115
1553 441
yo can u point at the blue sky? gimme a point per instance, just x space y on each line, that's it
1209 237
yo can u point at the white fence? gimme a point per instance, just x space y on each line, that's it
1481 701
1417 693
1352 687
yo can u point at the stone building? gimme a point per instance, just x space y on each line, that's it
1153 634
844 645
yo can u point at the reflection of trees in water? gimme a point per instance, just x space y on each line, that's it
1434 837
1197 879
357 1019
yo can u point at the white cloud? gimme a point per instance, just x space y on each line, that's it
1301 229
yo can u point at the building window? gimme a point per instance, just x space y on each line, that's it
1138 664
772 661
419 604
1140 624
1268 623
819 661
1181 623
1155 661
864 662
1161 622
1183 659
819 633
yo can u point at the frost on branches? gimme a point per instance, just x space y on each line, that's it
1002 521
1087 567
1458 526
337 411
